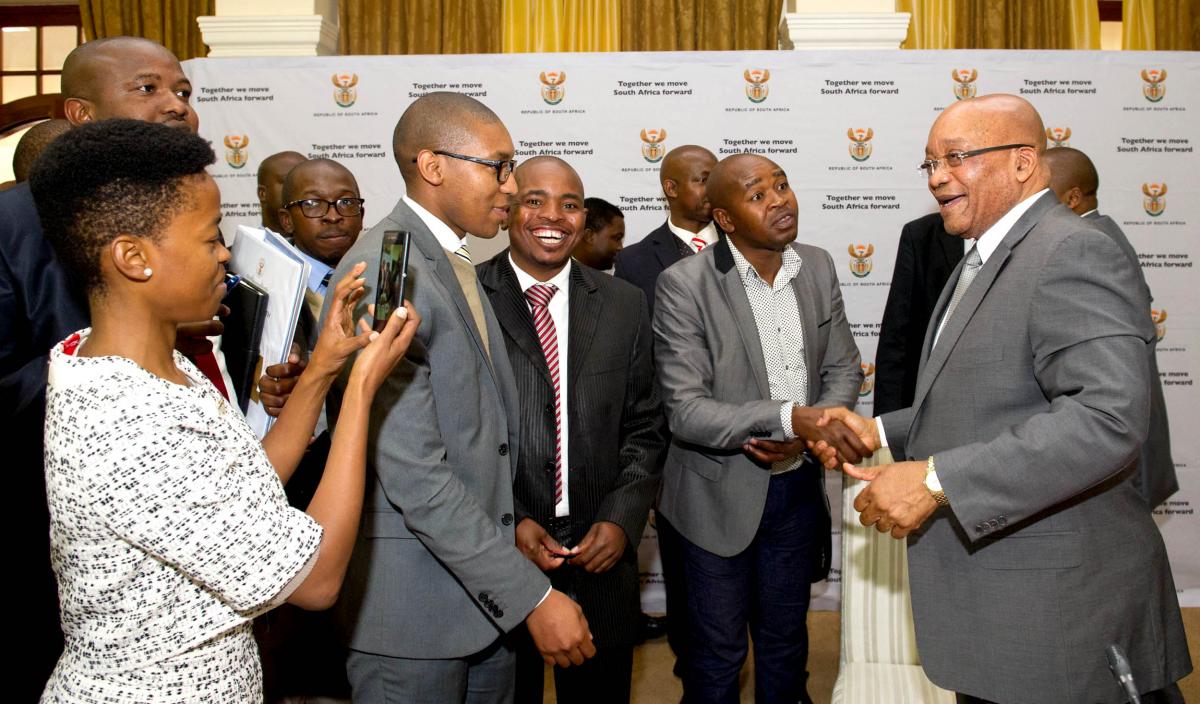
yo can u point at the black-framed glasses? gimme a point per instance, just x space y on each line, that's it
955 159
503 167
318 207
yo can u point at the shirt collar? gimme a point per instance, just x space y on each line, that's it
990 240
560 280
1093 210
708 233
787 272
441 231
317 274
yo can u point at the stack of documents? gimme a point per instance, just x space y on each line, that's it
265 258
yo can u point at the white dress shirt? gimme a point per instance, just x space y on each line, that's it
986 244
441 231
708 234
560 313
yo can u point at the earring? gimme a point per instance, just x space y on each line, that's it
148 272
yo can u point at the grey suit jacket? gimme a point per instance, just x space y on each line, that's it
1156 469
714 386
1034 404
436 573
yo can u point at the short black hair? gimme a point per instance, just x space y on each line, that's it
438 120
32 143
600 213
109 178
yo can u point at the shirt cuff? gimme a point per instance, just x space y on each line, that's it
544 596
785 419
882 435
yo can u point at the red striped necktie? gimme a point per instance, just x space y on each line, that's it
539 296
699 244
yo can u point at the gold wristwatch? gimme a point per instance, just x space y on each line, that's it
933 485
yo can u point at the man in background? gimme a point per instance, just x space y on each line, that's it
924 259
591 426
32 143
603 235
271 173
1074 180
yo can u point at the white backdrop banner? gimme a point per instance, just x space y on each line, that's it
848 127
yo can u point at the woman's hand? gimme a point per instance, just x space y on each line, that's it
385 348
337 340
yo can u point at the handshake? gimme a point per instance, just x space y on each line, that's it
837 438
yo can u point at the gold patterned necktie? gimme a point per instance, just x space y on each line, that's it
465 273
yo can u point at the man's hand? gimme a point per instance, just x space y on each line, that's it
279 380
601 547
896 501
560 631
538 546
842 438
772 451
863 429
192 338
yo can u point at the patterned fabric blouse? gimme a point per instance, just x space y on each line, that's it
169 531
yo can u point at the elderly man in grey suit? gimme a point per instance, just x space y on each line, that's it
750 336
436 580
1030 549
1074 180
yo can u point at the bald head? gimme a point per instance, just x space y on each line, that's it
32 143
1073 178
543 164
546 217
753 203
726 182
126 77
683 174
1004 138
437 121
271 173
310 170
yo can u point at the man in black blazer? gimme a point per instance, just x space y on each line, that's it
591 425
1074 180
924 260
683 174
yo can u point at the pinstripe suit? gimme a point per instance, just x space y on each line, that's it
615 426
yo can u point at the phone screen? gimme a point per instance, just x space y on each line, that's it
393 275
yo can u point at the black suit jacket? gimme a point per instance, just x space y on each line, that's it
39 307
615 424
641 263
924 261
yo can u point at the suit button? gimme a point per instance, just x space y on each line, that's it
549 466
993 524
503 449
549 407
483 596
507 519
499 613
1003 520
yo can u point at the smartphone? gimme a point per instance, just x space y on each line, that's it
393 275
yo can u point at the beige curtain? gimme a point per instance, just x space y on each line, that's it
561 25
172 23
699 25
419 26
1162 25
1002 24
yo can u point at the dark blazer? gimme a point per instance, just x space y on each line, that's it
436 573
1156 469
1034 404
641 263
924 260
615 425
716 394
39 307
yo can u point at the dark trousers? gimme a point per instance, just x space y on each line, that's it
483 678
670 550
765 587
603 679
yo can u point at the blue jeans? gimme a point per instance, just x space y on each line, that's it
765 587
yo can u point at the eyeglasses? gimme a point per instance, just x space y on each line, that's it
503 167
317 207
955 159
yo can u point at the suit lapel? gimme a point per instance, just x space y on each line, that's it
583 314
807 295
932 360
664 246
734 292
512 311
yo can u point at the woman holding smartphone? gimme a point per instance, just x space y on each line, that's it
169 526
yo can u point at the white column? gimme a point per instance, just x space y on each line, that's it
842 24
271 28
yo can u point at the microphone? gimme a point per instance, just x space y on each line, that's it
1119 666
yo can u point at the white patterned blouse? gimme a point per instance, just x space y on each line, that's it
169 532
